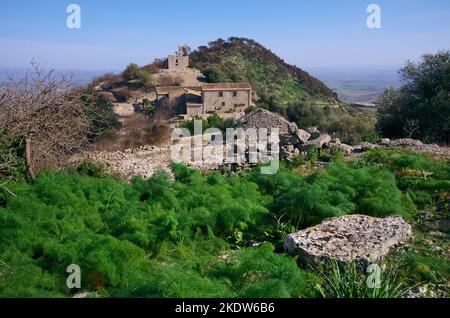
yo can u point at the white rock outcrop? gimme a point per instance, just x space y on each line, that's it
359 238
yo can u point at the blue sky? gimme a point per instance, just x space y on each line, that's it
319 33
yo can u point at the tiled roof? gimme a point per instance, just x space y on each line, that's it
226 86
164 90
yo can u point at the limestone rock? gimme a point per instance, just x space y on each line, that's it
345 149
320 141
292 128
405 142
336 141
361 238
313 130
289 139
302 135
384 142
366 146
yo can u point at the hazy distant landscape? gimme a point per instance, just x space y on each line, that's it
80 77
354 86
359 85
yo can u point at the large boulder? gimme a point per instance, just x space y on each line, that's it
320 141
292 128
289 139
302 135
345 149
359 238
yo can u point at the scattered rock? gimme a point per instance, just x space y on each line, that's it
405 142
361 238
261 118
417 292
289 139
302 135
313 130
366 146
345 149
320 141
335 140
384 142
292 128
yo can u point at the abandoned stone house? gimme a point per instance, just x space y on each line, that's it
228 99
221 98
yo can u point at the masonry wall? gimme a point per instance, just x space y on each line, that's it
194 109
183 62
213 102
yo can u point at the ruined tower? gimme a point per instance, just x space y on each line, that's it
180 61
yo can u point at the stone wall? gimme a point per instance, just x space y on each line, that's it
178 62
193 109
225 101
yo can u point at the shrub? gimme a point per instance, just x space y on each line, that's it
352 130
339 190
421 107
313 154
336 154
91 169
423 267
100 112
260 273
145 78
106 79
347 281
122 94
213 121
305 115
169 80
131 72
157 133
213 75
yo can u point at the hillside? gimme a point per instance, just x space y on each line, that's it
275 83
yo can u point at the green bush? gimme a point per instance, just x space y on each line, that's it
131 72
213 121
134 72
421 107
213 75
340 190
348 281
260 273
351 130
91 169
426 268
189 237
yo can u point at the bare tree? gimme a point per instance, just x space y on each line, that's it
46 115
411 127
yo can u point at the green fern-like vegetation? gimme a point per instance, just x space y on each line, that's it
194 236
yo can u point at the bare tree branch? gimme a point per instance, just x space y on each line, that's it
46 114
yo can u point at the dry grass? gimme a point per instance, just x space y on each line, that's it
169 80
137 131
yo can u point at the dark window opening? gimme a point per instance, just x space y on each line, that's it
234 94
220 94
